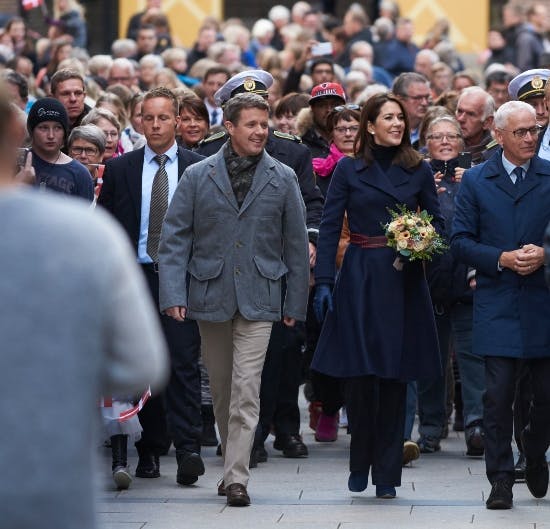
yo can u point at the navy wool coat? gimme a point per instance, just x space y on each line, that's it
511 312
382 320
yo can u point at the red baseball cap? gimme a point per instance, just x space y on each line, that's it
327 90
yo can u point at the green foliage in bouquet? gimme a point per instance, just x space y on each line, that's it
412 235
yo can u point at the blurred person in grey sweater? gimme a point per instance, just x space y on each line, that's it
73 323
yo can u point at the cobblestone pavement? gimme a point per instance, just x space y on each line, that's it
445 490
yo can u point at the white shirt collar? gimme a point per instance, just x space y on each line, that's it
172 153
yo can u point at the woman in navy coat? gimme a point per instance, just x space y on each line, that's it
379 329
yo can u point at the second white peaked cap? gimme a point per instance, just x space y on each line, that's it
249 81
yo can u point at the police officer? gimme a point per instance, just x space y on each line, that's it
533 88
282 370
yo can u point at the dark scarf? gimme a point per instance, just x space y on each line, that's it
241 171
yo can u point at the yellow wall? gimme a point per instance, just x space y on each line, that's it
185 16
469 20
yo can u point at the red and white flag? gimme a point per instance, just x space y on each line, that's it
31 4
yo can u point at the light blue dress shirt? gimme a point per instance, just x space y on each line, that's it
509 168
150 168
544 150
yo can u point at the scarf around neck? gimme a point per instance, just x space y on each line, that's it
323 167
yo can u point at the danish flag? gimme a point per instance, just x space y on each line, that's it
31 4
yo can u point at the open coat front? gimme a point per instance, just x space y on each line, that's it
236 257
382 323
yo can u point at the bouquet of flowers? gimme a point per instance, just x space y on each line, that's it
412 236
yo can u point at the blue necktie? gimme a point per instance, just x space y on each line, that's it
518 171
214 116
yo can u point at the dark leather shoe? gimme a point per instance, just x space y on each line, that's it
428 445
221 488
261 452
253 463
190 467
237 495
208 437
519 468
292 446
458 424
536 476
475 440
501 496
148 466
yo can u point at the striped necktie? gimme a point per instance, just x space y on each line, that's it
158 207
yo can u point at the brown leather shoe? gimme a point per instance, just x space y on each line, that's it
221 488
237 495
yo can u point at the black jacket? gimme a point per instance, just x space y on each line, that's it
317 145
121 190
446 276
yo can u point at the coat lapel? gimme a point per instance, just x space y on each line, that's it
532 178
218 173
133 180
181 162
390 182
495 171
262 176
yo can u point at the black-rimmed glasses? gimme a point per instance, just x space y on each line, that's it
438 136
90 151
522 132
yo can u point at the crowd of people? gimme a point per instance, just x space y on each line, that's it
253 174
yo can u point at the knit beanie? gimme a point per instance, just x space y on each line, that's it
47 109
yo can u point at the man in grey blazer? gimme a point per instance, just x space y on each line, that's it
236 225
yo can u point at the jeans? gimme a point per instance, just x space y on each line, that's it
432 413
472 371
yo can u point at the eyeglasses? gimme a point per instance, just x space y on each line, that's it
438 136
343 130
521 133
341 108
427 97
89 151
111 134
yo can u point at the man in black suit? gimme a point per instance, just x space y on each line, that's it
137 188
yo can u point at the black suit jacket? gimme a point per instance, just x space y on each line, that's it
121 190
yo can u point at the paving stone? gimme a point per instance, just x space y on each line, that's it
445 490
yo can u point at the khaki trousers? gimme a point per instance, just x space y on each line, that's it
233 353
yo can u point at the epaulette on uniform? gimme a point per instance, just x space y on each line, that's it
491 144
285 136
214 137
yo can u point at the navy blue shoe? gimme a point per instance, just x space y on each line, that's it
358 481
385 491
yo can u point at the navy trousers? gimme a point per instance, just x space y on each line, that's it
178 410
501 375
376 416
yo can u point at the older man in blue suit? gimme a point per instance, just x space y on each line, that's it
502 211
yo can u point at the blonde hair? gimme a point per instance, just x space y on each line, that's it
72 5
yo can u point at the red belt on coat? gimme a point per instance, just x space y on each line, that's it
367 241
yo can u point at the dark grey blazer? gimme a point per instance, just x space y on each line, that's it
236 258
